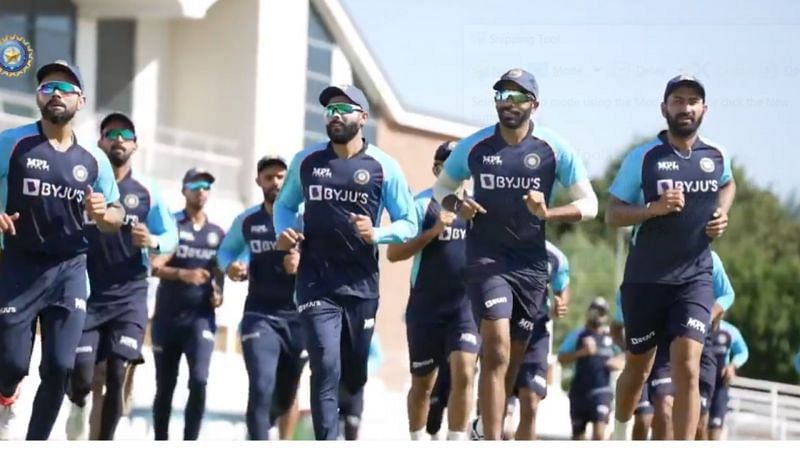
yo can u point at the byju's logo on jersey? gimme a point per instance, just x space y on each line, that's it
490 181
707 165
38 164
317 192
361 176
492 160
257 247
452 234
322 172
668 166
206 254
80 173
690 186
532 161
33 187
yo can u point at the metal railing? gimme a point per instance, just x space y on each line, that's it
760 409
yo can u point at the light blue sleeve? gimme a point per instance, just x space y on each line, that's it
396 197
797 362
160 221
627 185
105 183
727 173
570 343
559 280
8 140
291 195
233 245
569 167
723 290
739 353
618 319
457 164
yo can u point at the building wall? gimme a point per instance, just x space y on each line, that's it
413 149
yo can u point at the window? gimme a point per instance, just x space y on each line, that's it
115 65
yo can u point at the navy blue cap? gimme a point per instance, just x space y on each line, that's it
521 78
685 80
269 160
444 150
196 173
118 116
353 93
60 66
600 304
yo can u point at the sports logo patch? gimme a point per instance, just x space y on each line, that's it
532 161
707 165
131 201
361 176
80 173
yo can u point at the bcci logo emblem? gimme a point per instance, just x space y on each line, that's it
131 201
361 176
213 239
532 161
707 165
16 55
80 173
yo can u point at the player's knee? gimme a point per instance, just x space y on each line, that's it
685 370
495 356
663 410
421 388
462 379
197 385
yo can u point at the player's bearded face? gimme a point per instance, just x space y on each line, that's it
684 110
57 109
342 130
684 123
119 154
271 180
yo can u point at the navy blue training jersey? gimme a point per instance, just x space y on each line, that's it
113 260
46 187
252 240
197 249
332 189
674 248
438 268
502 175
591 373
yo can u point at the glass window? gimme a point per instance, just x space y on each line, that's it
313 88
319 59
115 64
316 29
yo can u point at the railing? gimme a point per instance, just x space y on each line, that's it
763 410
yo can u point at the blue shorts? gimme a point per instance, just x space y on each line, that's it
532 373
586 409
656 313
644 407
194 338
431 338
659 383
708 376
34 288
719 406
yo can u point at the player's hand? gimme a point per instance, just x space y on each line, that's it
671 201
536 204
470 208
7 223
216 297
290 262
717 225
194 277
237 271
95 204
141 236
728 373
445 219
560 307
363 225
589 346
289 239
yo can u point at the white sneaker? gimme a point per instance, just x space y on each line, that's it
7 416
76 423
476 430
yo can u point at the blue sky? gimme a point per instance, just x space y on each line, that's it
602 68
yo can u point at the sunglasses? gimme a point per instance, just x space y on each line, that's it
341 109
512 96
195 186
61 86
125 134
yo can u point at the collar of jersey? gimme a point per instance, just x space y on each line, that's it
528 136
41 133
364 146
698 143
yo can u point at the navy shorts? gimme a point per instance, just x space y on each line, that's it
644 407
660 381
532 373
194 338
656 313
719 406
586 409
432 337
708 376
115 326
30 289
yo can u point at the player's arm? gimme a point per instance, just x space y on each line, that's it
161 225
571 173
447 187
559 283
569 350
399 202
161 269
618 324
739 351
406 250
102 197
723 290
284 211
728 191
233 249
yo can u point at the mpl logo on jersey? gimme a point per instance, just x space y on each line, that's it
37 164
257 246
492 160
259 229
34 187
318 192
322 172
668 166
688 186
184 251
491 181
452 234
